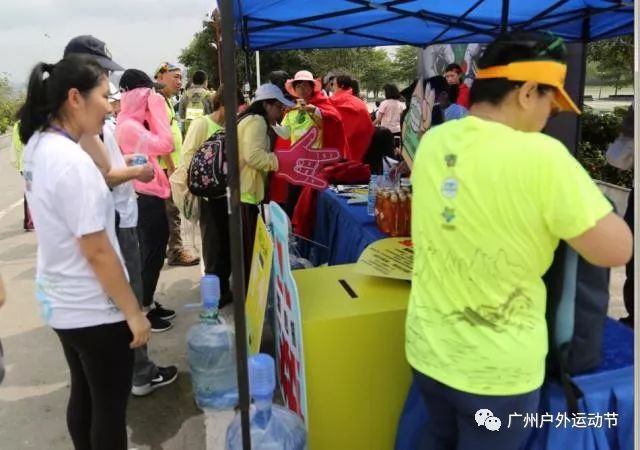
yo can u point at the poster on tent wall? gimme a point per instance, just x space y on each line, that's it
417 121
435 58
288 322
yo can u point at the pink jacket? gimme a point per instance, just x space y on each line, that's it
139 106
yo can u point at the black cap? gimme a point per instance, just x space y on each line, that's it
89 45
134 79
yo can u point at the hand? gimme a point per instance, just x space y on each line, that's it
300 164
145 173
140 328
310 109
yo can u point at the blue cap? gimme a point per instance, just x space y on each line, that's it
262 376
210 291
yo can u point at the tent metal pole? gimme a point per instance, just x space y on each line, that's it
235 219
586 37
636 230
505 16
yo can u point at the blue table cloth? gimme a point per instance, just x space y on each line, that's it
609 389
345 230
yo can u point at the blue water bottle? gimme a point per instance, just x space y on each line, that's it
272 426
371 199
211 352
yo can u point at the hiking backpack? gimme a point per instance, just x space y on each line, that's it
195 108
577 304
207 175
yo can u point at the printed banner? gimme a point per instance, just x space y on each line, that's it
288 332
387 258
436 58
258 291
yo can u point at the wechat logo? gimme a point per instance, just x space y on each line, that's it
485 418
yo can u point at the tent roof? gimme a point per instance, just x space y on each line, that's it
297 24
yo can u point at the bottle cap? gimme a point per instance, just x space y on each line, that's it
262 375
210 291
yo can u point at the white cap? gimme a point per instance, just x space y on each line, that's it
114 93
270 91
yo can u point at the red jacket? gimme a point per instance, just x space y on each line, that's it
464 96
357 123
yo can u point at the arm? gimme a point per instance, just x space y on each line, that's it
98 152
380 114
108 269
182 108
608 244
196 135
117 176
254 154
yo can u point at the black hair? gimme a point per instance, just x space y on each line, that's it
344 81
257 108
47 94
513 47
199 77
438 84
453 67
391 92
218 98
453 90
279 78
240 97
382 145
297 82
355 88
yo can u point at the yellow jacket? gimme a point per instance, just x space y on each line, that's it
256 159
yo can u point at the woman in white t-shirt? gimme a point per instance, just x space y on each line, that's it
81 283
390 112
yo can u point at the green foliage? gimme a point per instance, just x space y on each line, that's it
611 61
10 102
405 64
200 54
598 131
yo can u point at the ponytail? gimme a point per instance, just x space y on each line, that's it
48 89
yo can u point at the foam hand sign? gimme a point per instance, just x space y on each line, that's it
301 164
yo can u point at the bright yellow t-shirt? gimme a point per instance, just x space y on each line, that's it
489 207
177 137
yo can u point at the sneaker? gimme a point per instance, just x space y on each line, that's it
158 324
164 377
163 313
182 258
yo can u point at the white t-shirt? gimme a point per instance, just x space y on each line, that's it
391 111
124 195
68 198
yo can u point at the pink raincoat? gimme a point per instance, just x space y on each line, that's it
139 106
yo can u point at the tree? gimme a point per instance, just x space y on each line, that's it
10 102
406 64
613 60
201 54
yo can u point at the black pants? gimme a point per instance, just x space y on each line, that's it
216 248
627 290
101 365
153 233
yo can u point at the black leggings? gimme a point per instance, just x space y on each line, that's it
153 234
101 365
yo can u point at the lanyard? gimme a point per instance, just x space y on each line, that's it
62 132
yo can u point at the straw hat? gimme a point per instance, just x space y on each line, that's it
303 75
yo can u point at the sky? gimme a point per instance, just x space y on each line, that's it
139 33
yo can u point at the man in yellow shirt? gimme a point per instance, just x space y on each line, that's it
492 198
170 76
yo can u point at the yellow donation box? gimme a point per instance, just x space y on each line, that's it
357 377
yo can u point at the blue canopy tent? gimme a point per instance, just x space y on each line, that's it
304 24
294 24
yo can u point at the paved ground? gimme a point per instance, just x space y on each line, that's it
34 394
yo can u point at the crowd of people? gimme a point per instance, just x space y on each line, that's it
123 154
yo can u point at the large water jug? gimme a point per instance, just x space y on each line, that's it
211 352
272 427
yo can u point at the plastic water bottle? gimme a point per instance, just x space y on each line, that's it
371 198
272 427
211 353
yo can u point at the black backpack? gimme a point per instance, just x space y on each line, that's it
577 304
207 175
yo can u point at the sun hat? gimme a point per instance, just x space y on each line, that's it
269 91
303 75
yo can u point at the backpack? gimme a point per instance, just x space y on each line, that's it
577 304
195 108
207 175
